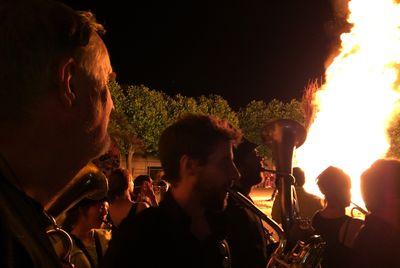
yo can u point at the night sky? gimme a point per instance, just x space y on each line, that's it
242 50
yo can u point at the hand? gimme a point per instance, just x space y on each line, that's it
148 192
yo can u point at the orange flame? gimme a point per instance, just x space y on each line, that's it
358 100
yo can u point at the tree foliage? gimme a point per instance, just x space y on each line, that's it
256 114
147 113
141 114
217 106
123 133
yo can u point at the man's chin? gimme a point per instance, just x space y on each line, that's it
219 203
103 147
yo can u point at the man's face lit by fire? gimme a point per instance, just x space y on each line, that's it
216 176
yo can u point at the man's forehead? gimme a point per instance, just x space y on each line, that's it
222 149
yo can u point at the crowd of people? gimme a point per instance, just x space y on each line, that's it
54 113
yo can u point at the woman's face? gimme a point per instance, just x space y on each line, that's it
96 214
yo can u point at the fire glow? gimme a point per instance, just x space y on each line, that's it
359 97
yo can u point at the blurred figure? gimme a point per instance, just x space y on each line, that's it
54 111
158 177
83 222
308 203
119 196
160 185
187 228
335 227
246 237
143 191
378 243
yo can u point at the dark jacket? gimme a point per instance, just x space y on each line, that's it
23 223
245 237
161 237
377 245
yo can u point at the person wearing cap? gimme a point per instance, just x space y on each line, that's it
84 221
246 237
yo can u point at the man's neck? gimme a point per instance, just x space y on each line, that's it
333 212
119 209
83 233
188 201
244 188
38 167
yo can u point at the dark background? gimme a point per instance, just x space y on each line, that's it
240 49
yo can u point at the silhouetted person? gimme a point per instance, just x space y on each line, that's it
378 243
336 228
119 196
186 229
54 112
246 237
308 203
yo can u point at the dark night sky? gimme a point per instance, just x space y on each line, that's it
240 49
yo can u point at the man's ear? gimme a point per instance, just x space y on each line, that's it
66 87
188 165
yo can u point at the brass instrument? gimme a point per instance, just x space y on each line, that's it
244 201
358 208
283 136
304 254
89 183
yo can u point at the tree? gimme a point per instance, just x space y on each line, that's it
180 105
120 128
147 113
139 117
217 106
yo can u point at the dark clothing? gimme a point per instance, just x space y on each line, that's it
336 254
245 236
377 245
131 214
161 237
23 239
